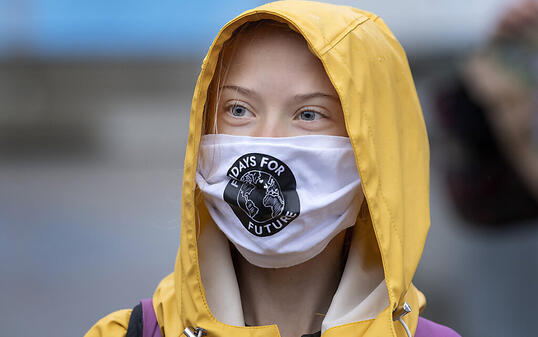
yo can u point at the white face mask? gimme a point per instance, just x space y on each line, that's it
279 200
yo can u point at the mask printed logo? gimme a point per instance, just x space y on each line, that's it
262 193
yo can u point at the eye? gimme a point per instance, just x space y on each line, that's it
238 110
309 115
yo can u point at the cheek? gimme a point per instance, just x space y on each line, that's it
332 125
341 132
340 125
340 129
223 126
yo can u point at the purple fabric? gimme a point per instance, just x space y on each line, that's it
426 328
150 325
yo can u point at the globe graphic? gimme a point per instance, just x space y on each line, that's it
260 196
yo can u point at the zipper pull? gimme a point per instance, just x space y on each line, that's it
198 332
398 313
401 312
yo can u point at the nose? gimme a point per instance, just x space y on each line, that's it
271 127
268 131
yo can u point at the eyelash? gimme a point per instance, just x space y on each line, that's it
229 109
321 115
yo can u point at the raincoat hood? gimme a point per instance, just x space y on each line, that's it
369 70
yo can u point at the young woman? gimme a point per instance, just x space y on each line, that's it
305 191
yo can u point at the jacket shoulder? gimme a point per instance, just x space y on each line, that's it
427 328
112 325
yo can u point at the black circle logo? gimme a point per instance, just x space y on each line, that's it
262 193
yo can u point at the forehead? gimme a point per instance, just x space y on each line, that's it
267 56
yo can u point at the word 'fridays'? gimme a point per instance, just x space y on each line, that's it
250 162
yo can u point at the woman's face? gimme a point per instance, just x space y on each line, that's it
273 86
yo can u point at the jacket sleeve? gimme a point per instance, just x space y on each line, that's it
112 325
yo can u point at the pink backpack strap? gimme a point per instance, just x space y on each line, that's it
150 325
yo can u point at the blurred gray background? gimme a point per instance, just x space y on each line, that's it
94 108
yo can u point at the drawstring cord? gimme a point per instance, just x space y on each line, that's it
199 332
404 311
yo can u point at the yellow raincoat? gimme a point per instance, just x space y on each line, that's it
369 70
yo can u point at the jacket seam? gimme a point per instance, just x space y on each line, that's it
342 35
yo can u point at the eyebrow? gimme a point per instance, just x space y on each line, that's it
298 97
304 97
244 91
